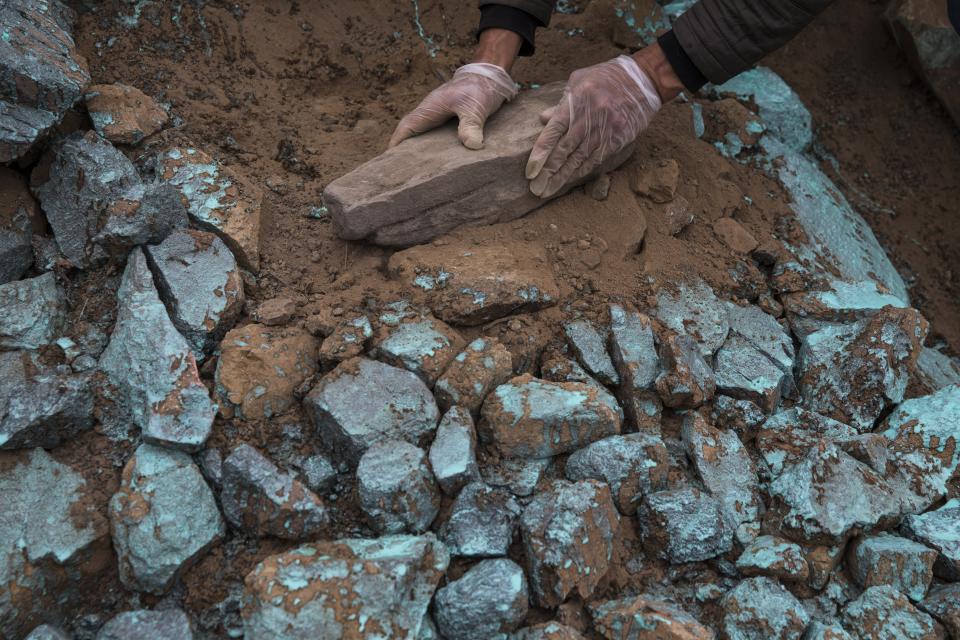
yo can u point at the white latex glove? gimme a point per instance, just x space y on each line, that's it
473 94
603 109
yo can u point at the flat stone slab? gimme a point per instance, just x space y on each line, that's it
431 184
123 114
34 312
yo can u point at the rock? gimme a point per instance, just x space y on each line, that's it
774 557
261 500
519 476
853 372
634 354
123 114
686 380
397 490
787 437
152 366
937 370
482 522
684 525
21 127
730 123
532 418
48 632
17 215
348 340
363 402
473 285
725 468
822 560
275 312
943 603
481 367
742 416
695 310
677 216
940 530
318 473
762 608
634 465
657 181
590 349
734 235
41 406
488 600
260 368
217 199
148 625
891 560
557 367
839 302
643 411
199 281
431 184
547 631
646 618
883 613
34 312
53 539
423 345
351 588
163 519
600 188
567 534
453 455
821 631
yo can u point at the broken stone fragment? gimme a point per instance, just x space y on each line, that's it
490 599
482 522
532 418
262 500
275 311
34 312
471 285
686 380
153 367
684 525
657 181
839 302
557 367
547 631
734 235
743 372
319 475
943 603
17 215
123 114
774 557
163 519
822 631
633 349
940 530
726 117
363 402
422 344
41 406
590 348
520 476
567 534
646 618
48 632
762 608
431 184
453 454
741 416
350 588
398 492
695 310
786 437
884 559
633 464
348 340
148 625
935 369
883 613
481 367
199 281
643 411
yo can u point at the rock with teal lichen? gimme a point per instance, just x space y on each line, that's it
547 631
774 557
163 519
351 588
883 613
485 602
646 618
826 631
837 302
937 370
398 492
153 367
634 353
684 525
123 114
363 402
520 476
940 530
533 418
262 500
884 559
741 416
786 437
567 533
695 310
34 312
145 624
48 632
760 608
422 344
483 365
590 348
943 603
686 380
348 340
482 522
453 453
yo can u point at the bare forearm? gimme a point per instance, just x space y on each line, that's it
499 47
655 64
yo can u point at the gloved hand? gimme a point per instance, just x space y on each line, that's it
603 109
474 93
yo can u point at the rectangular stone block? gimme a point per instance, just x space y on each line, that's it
431 184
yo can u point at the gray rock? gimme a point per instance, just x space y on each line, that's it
16 227
884 559
686 380
453 454
428 629
695 310
741 416
775 558
936 369
41 406
684 525
839 302
940 530
761 608
633 464
488 601
883 613
787 436
423 345
744 372
764 333
483 365
344 589
567 534
47 632
211 465
153 367
517 475
633 349
397 490
557 367
261 500
547 631
34 312
943 603
482 522
21 127
363 402
148 625
199 281
431 184
590 348
319 473
645 617
822 631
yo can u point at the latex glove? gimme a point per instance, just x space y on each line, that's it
473 94
603 109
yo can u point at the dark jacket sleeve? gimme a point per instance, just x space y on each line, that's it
725 37
539 9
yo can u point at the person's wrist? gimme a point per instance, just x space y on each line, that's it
654 63
499 47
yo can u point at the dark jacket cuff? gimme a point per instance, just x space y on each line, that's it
495 16
682 64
